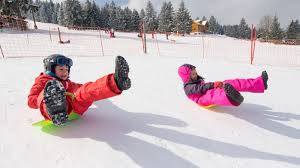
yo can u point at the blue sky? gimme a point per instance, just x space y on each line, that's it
227 11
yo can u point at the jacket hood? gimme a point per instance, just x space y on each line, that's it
184 72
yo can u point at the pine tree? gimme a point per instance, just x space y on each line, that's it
14 7
27 14
243 30
204 18
52 15
77 13
228 30
166 18
87 13
142 14
297 29
183 19
68 17
104 16
151 22
264 27
61 14
213 25
121 21
293 31
135 20
162 18
276 31
235 29
43 13
113 21
95 15
54 18
91 14
127 19
231 31
73 13
37 13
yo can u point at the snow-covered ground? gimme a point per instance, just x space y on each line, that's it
153 124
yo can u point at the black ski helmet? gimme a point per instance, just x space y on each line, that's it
56 59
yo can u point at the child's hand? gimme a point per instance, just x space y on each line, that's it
218 84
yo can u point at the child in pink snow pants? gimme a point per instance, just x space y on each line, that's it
226 93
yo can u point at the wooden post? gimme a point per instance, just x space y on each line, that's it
50 34
2 51
101 43
59 36
202 48
27 38
145 39
253 39
157 44
251 48
33 17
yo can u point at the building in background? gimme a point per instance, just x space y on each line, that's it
199 26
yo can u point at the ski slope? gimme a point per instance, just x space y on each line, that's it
153 124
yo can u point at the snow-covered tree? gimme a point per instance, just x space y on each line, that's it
243 30
113 21
104 16
151 22
54 17
95 15
135 20
52 13
166 18
297 29
14 7
142 14
183 19
293 30
213 25
61 14
276 31
264 27
87 13
121 23
231 30
73 13
127 19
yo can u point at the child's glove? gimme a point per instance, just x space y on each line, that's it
218 84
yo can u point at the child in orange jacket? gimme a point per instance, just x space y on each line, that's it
57 96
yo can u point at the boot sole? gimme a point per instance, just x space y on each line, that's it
265 77
123 68
233 94
55 100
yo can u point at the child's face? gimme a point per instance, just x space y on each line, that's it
194 75
62 72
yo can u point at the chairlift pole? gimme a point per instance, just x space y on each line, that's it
33 8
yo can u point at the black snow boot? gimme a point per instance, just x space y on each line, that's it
265 78
233 95
55 100
121 74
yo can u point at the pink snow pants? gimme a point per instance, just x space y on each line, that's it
218 96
